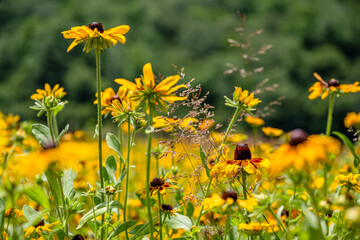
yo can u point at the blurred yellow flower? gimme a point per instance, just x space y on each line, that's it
206 124
168 124
160 184
57 92
254 121
39 228
255 228
322 88
109 96
95 36
350 181
12 212
217 137
352 119
272 132
147 92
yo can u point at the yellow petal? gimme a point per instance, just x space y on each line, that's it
167 83
118 30
130 85
148 77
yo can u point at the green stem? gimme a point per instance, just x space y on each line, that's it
148 158
93 209
55 126
99 124
244 184
108 214
228 226
160 222
127 172
330 113
120 168
281 225
50 125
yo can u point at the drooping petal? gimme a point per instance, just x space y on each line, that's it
130 85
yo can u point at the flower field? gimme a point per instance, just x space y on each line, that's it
170 171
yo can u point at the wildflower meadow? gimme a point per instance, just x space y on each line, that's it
166 169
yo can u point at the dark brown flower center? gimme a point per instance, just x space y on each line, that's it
334 83
175 117
157 182
78 237
242 152
285 212
166 207
297 136
116 97
42 223
97 25
229 194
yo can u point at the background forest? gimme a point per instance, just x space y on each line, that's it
307 36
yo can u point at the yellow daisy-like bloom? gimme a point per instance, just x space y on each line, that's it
206 124
254 121
147 92
303 151
168 124
95 36
322 88
352 119
255 228
229 198
272 132
350 181
109 96
168 210
217 137
11 212
242 159
160 184
57 92
244 99
39 228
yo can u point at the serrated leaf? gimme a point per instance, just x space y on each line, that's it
349 145
63 132
110 165
68 182
179 221
41 133
99 210
38 195
122 227
113 143
32 216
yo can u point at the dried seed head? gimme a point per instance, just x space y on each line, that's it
97 25
242 152
157 182
297 136
229 194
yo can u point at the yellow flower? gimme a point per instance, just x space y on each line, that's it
217 137
350 181
272 132
242 99
57 92
109 96
322 88
254 121
255 228
352 119
206 124
4 235
13 212
303 151
242 159
147 92
228 198
95 36
160 184
168 210
39 228
168 124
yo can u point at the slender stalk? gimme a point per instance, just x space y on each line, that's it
330 113
244 184
55 126
108 214
50 125
160 222
127 172
99 124
228 226
281 225
148 158
120 168
93 209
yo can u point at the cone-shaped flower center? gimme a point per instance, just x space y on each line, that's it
297 136
97 25
229 194
42 223
78 237
116 97
334 83
175 117
166 207
157 182
242 152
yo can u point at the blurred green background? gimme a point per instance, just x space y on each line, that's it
307 36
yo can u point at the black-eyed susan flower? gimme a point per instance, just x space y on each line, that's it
242 160
12 212
254 121
160 184
272 132
350 181
229 198
242 99
95 37
323 88
218 137
256 228
108 96
168 124
147 92
168 210
352 119
39 228
302 151
56 92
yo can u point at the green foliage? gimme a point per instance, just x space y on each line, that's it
33 217
41 133
122 227
350 146
179 221
38 195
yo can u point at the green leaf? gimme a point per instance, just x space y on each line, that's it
2 214
55 185
179 221
142 229
68 182
38 195
203 160
350 146
189 209
113 143
110 165
99 210
32 216
122 227
63 132
41 133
